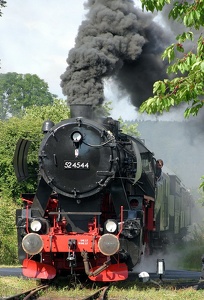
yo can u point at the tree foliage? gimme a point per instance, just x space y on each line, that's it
2 4
8 236
129 128
19 91
187 67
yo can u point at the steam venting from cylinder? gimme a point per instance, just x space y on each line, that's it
116 40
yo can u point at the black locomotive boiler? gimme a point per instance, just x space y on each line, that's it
95 210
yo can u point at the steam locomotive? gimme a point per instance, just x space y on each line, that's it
98 206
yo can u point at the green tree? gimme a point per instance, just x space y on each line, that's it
129 128
19 91
187 67
8 236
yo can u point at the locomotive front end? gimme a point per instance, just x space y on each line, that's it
58 251
61 227
89 211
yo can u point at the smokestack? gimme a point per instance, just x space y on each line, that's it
81 110
117 39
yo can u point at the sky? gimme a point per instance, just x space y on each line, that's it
37 35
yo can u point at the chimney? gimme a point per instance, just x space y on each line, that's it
81 110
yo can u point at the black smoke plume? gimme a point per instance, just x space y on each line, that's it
119 40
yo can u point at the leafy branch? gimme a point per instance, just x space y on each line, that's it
186 69
2 4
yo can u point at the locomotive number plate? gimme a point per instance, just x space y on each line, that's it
73 165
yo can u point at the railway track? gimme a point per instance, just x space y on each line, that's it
100 294
26 295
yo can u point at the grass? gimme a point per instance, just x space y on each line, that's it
13 285
121 291
192 257
150 293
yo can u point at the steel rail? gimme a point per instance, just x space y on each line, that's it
100 294
28 293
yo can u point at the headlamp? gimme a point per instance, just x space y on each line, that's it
35 225
32 243
108 244
111 226
76 137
